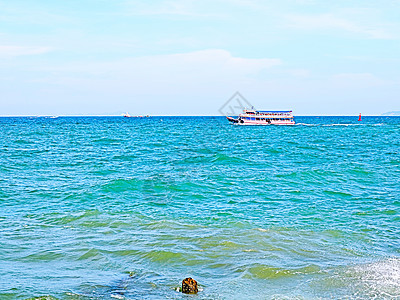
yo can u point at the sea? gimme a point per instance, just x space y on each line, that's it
126 208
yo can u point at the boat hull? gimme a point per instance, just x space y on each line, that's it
259 123
266 123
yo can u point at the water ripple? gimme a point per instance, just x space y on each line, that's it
95 208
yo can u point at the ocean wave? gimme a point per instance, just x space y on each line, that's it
340 124
376 280
261 271
249 212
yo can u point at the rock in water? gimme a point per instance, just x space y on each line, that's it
189 286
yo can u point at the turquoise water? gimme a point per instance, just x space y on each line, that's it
118 208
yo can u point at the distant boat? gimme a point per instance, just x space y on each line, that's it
126 115
254 117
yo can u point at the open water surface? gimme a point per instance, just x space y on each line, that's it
124 208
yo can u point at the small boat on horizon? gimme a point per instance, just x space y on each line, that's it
255 117
127 115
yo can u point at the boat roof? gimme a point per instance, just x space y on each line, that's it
274 111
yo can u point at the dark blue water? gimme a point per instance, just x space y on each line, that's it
125 208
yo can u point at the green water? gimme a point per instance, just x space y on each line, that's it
119 208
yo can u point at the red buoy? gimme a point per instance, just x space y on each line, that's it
359 117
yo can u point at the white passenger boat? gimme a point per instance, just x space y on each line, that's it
255 117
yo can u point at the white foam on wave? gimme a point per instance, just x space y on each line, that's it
344 125
305 124
378 280
387 271
262 229
330 125
375 280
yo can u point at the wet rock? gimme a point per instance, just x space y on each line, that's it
189 286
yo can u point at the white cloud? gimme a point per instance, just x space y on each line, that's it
330 21
167 82
22 50
192 67
187 8
301 73
355 80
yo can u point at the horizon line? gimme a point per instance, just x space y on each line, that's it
149 116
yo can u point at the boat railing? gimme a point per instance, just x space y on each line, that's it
267 115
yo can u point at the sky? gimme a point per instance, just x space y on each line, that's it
187 57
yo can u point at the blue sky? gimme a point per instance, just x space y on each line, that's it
184 57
